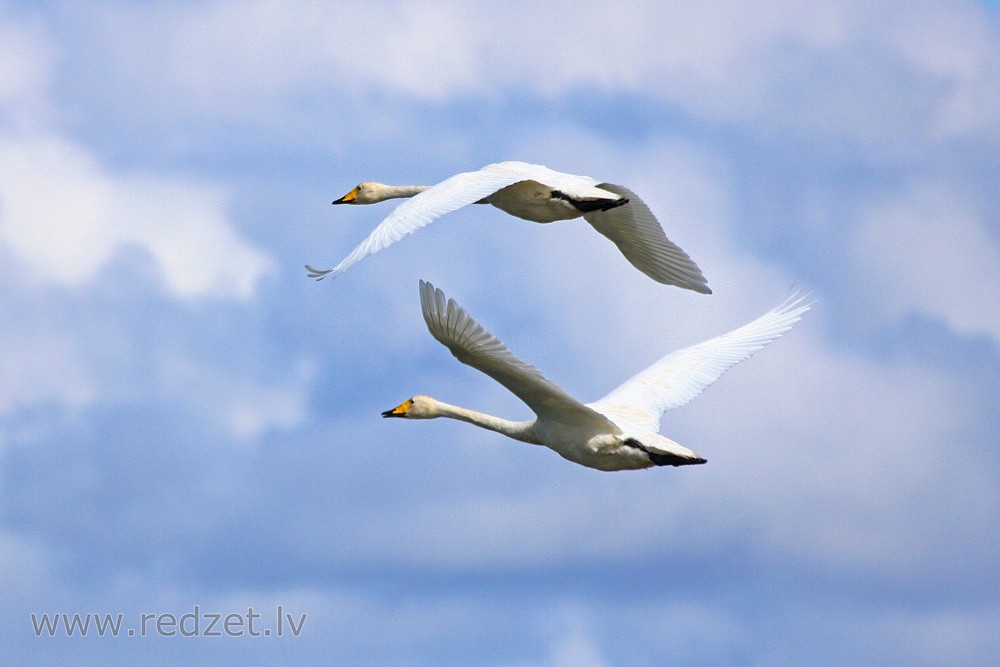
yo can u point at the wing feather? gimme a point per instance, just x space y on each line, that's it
680 376
471 344
637 233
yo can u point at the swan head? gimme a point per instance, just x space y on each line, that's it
368 192
418 407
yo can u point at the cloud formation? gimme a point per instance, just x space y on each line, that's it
65 217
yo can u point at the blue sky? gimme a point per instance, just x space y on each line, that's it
186 420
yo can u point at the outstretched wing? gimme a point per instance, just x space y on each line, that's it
680 376
635 230
473 345
452 194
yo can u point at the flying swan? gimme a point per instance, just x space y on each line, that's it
618 432
535 193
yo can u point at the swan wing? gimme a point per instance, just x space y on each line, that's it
452 194
471 344
637 233
680 376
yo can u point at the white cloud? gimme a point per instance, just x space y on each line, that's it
223 59
43 366
244 404
65 216
833 454
575 650
253 409
955 44
256 409
927 249
49 363
27 58
778 66
943 636
886 635
850 70
23 562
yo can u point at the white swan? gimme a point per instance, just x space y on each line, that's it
535 193
618 432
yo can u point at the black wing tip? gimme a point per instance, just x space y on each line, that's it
673 460
665 458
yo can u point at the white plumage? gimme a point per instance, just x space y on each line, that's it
535 193
617 432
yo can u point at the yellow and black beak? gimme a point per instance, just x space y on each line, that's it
398 411
349 197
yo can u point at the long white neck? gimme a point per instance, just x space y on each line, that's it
517 430
401 191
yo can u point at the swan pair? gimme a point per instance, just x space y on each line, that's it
619 431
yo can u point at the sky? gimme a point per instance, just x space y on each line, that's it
189 423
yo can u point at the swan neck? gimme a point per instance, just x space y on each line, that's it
402 191
511 429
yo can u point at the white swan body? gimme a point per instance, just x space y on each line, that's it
617 432
535 193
